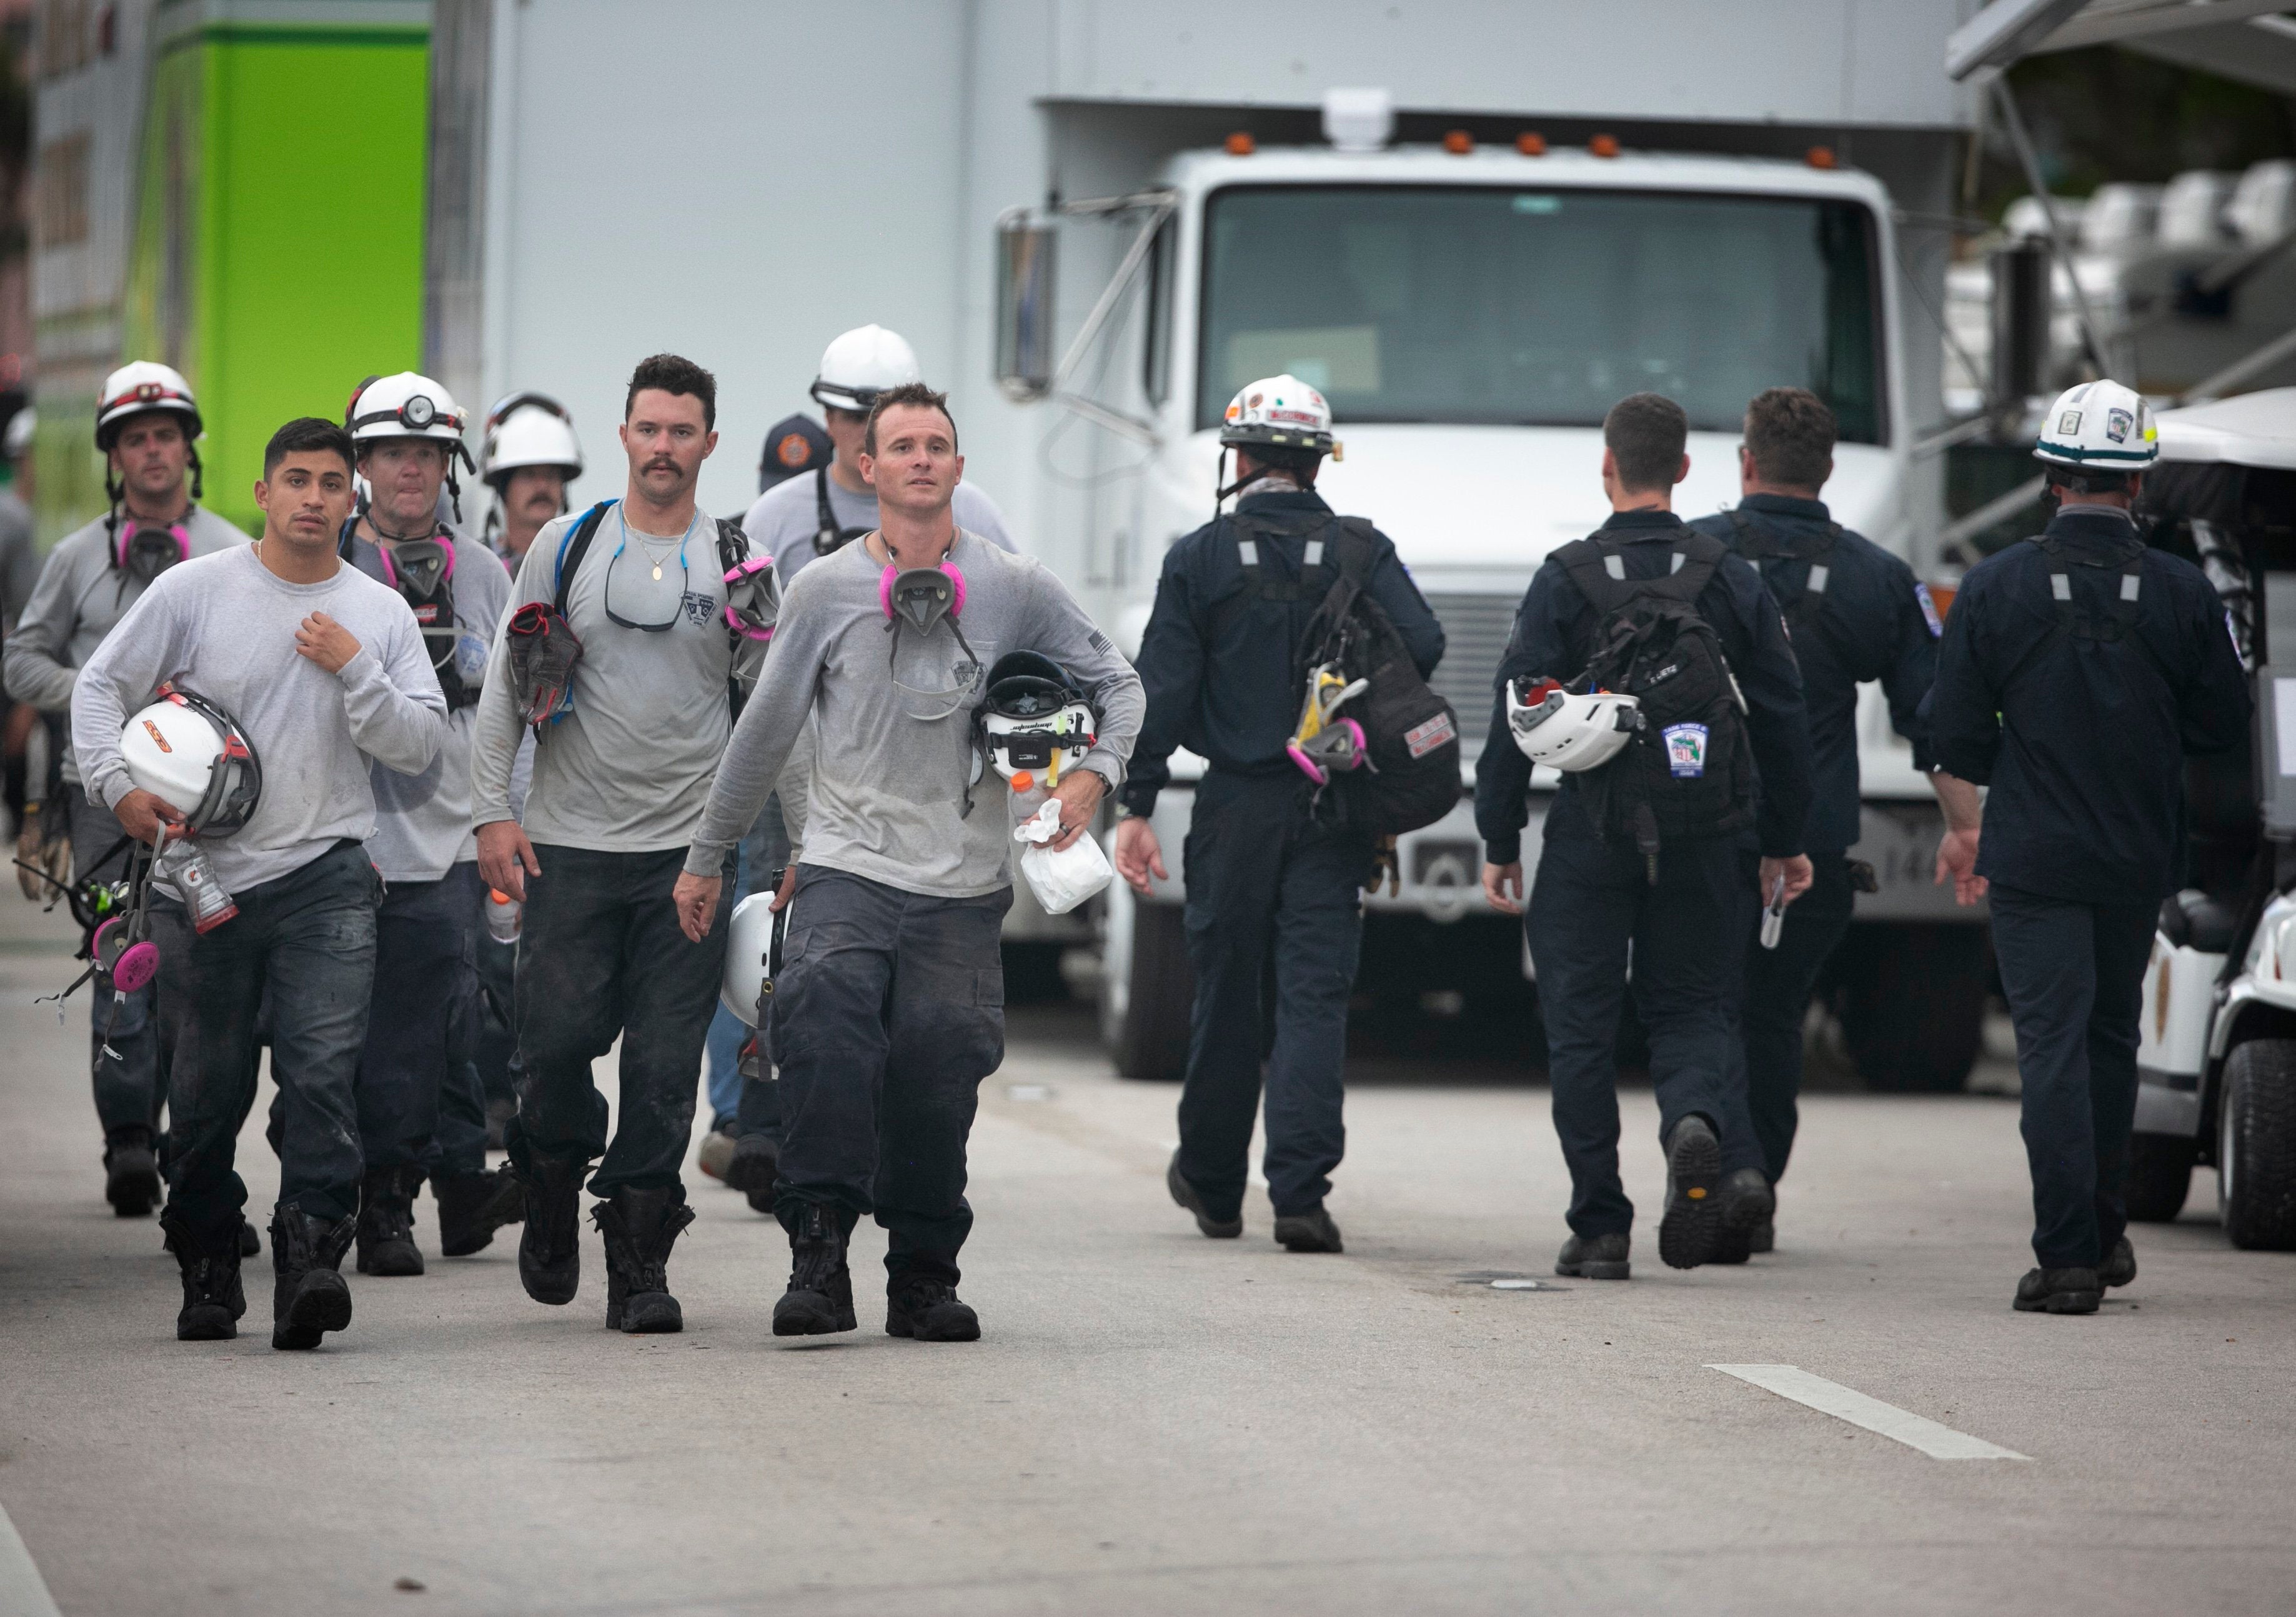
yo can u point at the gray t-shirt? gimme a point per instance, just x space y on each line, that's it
891 717
224 625
422 822
19 558
787 515
80 596
626 771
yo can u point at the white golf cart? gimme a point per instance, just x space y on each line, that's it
2217 1060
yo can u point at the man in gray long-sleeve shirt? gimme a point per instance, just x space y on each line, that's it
322 669
890 1008
91 579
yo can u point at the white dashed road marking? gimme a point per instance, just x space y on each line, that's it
1843 1403
23 1592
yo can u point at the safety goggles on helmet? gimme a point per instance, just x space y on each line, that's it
139 387
145 550
418 413
1566 730
193 756
861 365
1035 719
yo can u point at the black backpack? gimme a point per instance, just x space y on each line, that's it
1688 770
1411 735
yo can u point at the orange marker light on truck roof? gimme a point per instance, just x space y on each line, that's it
1603 145
1820 156
1530 143
1241 144
1458 143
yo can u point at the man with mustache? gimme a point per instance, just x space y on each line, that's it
532 456
619 780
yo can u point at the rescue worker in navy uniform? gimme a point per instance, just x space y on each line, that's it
1681 907
2075 670
1219 661
1856 614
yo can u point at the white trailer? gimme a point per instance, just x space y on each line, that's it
740 182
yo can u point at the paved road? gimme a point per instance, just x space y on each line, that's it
1156 1422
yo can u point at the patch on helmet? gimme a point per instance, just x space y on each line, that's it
159 740
2068 423
1253 402
2117 423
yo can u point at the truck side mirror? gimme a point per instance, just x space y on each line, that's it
1024 306
2022 301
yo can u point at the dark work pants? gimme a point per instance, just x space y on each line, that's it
888 1012
494 1047
1263 879
2074 974
1778 983
308 937
130 1082
1592 907
599 954
419 1099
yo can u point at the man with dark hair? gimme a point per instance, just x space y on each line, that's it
889 1010
322 669
1266 877
1644 852
619 780
146 423
2076 672
1856 614
805 517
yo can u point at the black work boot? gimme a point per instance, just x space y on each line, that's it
2059 1291
1764 1237
1308 1232
309 1296
550 1251
1186 1196
819 1302
1747 1203
213 1299
386 1222
2119 1265
131 1171
472 1206
1595 1258
640 1226
755 1165
1693 1218
927 1309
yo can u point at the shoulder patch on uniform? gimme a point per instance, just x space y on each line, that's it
1929 610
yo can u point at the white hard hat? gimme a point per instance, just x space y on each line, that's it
530 429
2100 425
1279 410
1034 721
1566 731
133 389
861 363
407 404
21 428
191 755
749 935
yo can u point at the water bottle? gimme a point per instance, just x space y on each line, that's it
503 916
186 866
1028 797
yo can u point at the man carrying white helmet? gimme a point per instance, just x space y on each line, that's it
1266 873
1645 854
421 1108
147 423
531 456
323 674
2076 672
805 517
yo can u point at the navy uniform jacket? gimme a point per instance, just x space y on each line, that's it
1876 622
2082 742
1554 635
1236 702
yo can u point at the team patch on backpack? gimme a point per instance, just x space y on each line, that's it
1685 750
1425 738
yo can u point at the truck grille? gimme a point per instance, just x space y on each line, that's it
1476 628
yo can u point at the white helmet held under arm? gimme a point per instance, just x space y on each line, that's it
749 935
2101 426
193 756
861 363
1566 731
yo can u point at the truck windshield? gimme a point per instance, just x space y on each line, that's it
1532 307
